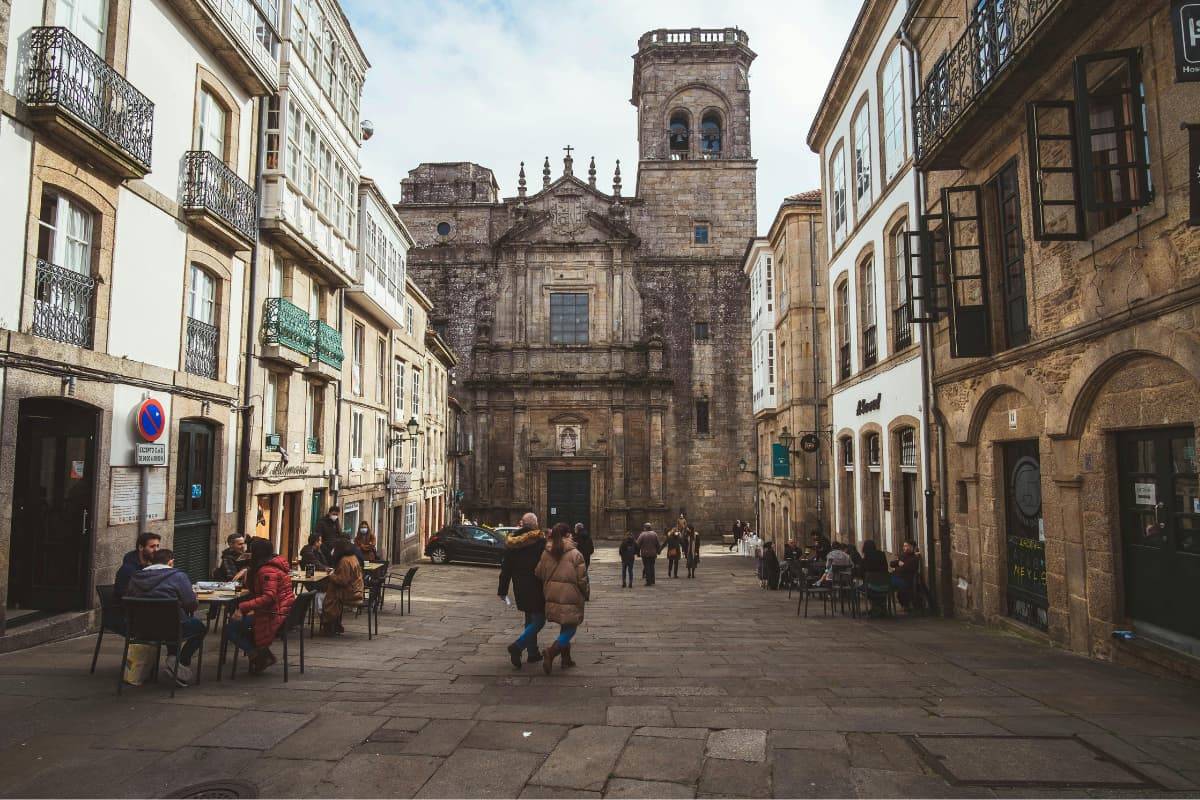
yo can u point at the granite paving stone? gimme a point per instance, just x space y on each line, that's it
626 787
584 758
259 730
533 738
734 778
328 737
440 737
649 758
737 745
482 773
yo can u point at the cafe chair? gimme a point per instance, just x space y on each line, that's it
404 587
372 602
155 622
296 620
111 617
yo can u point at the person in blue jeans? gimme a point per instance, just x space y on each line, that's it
522 549
628 552
159 580
564 575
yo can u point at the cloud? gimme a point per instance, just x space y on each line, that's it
498 83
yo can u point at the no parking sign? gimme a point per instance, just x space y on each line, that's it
151 420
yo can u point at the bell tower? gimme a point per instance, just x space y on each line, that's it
696 173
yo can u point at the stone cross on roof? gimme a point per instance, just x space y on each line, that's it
568 162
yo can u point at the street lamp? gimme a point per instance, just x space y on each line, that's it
786 438
742 465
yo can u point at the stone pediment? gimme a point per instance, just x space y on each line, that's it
569 212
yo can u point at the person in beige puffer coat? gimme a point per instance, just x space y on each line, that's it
563 573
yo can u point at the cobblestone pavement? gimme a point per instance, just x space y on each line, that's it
709 687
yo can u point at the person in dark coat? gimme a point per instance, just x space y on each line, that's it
311 553
691 549
674 547
628 552
330 530
737 534
161 581
770 566
583 541
649 547
904 574
136 559
877 582
522 551
234 559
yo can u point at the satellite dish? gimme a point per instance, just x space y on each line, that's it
368 129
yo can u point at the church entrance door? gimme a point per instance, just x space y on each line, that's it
569 496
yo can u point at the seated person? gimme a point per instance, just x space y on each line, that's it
876 580
837 560
136 559
234 560
791 550
254 625
770 566
312 553
365 540
345 587
161 581
904 573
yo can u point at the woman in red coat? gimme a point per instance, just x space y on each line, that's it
256 621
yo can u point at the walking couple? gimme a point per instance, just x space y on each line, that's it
550 580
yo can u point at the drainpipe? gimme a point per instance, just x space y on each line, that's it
244 420
928 397
335 481
816 366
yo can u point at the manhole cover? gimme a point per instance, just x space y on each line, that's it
227 789
1032 761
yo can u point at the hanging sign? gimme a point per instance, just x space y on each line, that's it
781 466
810 442
1194 172
1185 25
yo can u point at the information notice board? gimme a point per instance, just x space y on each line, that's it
125 494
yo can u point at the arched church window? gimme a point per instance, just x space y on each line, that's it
710 135
678 135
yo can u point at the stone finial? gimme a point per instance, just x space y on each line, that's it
521 181
617 180
568 162
592 173
546 173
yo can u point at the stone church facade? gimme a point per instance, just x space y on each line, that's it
603 339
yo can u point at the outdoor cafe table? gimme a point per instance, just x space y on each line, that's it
226 602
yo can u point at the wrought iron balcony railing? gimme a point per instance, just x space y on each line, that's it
62 304
993 38
312 445
203 345
902 327
62 71
286 324
327 344
870 347
210 185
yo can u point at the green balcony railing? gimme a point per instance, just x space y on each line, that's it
327 343
312 445
286 324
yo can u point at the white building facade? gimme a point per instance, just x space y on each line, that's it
759 267
127 227
862 133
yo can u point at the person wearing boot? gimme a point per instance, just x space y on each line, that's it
691 548
674 547
522 552
628 552
564 577
253 627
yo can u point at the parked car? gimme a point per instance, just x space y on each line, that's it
465 543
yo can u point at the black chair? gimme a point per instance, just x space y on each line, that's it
154 622
372 602
405 586
112 617
295 621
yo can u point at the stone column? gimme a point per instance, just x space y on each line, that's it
482 484
520 454
618 455
656 455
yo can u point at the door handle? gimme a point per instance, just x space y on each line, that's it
84 532
1158 507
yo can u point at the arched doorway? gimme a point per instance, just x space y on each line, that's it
194 499
54 520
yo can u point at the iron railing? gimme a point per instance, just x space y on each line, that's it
995 34
312 445
327 343
203 345
902 324
844 361
870 347
286 323
62 71
62 304
210 185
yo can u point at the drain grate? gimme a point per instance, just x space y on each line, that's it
1050 762
218 789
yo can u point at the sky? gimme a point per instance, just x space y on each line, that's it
502 82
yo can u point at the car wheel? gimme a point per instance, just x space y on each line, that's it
438 555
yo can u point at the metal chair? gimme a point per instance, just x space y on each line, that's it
296 620
111 617
405 586
154 622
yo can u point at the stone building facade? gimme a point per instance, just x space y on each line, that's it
574 311
1066 359
790 354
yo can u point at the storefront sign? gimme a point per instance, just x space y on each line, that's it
867 406
399 481
781 463
1185 24
1194 172
281 469
810 442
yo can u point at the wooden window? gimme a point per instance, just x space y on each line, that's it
211 125
970 328
87 19
380 370
700 233
356 434
1054 171
843 329
65 233
202 295
866 306
1010 246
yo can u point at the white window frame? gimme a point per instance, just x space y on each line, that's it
356 434
863 192
410 519
72 15
70 233
202 295
358 353
837 199
211 123
895 140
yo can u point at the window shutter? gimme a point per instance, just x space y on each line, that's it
970 326
1054 171
1125 137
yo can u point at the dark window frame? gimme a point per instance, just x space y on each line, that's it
701 331
566 326
970 314
703 417
1005 190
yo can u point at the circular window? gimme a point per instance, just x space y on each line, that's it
443 229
